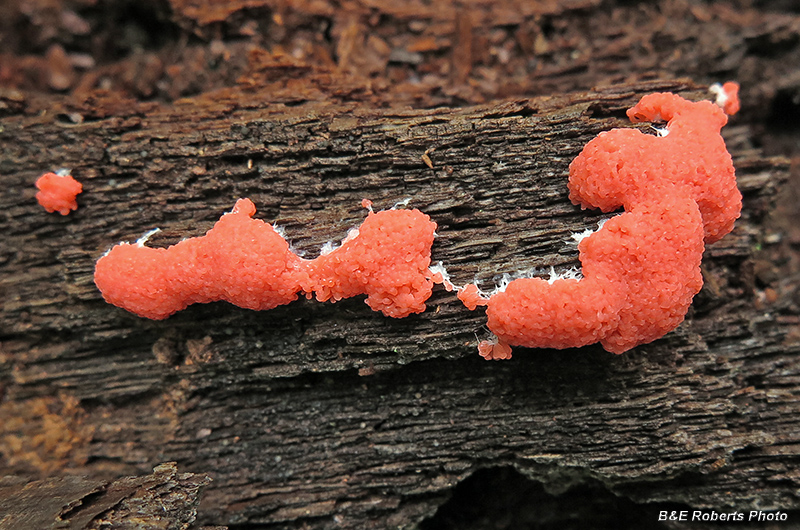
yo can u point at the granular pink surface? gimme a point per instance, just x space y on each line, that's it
471 297
246 262
642 268
240 260
388 261
57 193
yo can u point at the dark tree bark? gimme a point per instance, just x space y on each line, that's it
330 415
164 500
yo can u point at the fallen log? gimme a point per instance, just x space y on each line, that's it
331 414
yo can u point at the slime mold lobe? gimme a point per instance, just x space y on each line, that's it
58 192
246 262
642 268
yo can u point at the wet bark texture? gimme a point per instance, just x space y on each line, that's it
319 415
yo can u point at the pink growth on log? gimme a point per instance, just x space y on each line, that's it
494 350
642 268
57 192
471 297
244 261
240 260
727 96
387 260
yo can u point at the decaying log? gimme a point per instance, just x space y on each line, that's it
328 415
332 416
163 500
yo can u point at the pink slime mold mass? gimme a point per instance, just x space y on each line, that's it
57 192
642 268
244 261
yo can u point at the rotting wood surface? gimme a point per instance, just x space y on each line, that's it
331 415
73 503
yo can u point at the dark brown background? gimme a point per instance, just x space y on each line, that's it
332 416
